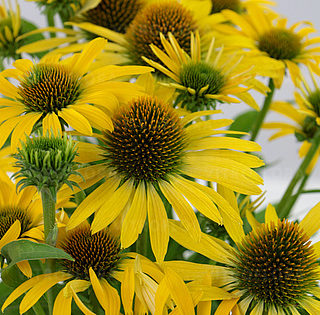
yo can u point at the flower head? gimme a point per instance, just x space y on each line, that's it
274 268
272 46
57 93
100 264
151 154
202 82
304 114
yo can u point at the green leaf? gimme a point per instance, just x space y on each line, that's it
12 276
27 27
27 250
243 122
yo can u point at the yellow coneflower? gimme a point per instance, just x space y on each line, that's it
270 43
20 216
273 270
151 19
56 93
152 154
305 117
201 81
99 263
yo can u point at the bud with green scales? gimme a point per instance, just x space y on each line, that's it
46 162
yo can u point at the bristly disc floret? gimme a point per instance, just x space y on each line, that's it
9 215
114 14
99 251
200 78
46 161
280 44
164 17
147 142
49 88
219 5
276 265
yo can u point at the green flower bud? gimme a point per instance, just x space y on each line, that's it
46 162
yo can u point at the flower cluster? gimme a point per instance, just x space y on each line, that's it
124 188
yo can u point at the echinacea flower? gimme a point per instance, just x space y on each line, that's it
273 270
57 93
152 154
100 264
152 18
270 43
305 117
201 81
20 216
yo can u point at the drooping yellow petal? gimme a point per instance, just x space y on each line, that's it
51 124
40 288
76 120
310 224
182 208
179 292
161 297
112 207
158 224
95 115
62 304
92 202
25 268
12 234
107 296
226 306
24 128
135 217
8 89
127 290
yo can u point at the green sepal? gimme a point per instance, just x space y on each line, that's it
20 250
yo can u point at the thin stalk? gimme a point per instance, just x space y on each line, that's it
262 114
38 310
284 204
300 190
49 216
50 21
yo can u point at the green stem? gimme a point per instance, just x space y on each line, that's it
263 112
284 205
49 216
50 21
38 310
310 191
300 190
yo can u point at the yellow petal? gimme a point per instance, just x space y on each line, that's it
6 128
7 88
226 306
111 297
76 120
271 215
112 207
311 222
87 56
135 217
182 208
12 234
51 124
62 304
40 288
158 224
25 268
127 290
92 203
179 292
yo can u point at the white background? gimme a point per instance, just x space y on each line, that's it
282 153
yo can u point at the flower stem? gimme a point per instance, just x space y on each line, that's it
49 216
38 310
262 114
285 205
